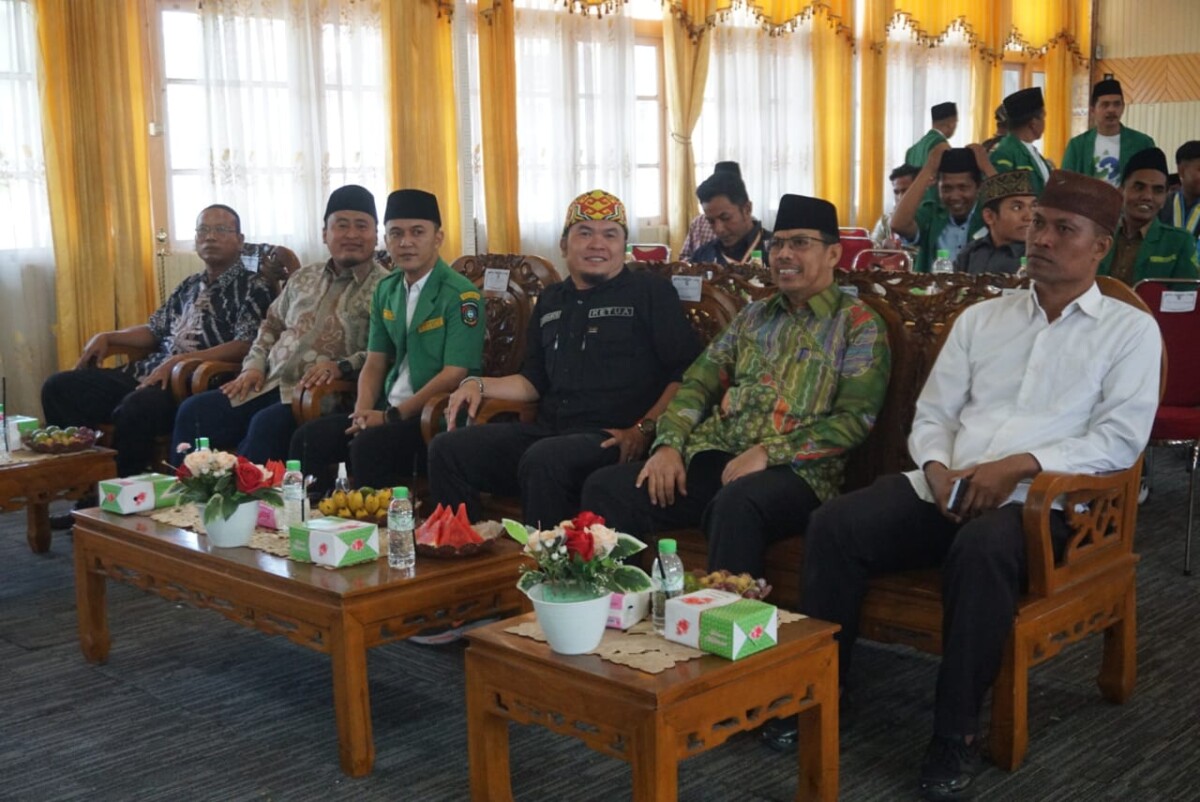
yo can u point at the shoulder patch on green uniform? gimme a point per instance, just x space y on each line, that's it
466 296
470 310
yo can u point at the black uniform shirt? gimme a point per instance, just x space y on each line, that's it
599 358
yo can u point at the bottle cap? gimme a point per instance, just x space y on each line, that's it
943 253
293 465
399 492
666 546
756 254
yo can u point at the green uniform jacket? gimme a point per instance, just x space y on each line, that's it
1081 150
1011 154
918 154
931 219
1166 252
447 327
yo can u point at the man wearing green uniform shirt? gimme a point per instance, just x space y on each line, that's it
426 336
1026 123
945 122
1143 246
757 434
1182 208
950 221
1104 150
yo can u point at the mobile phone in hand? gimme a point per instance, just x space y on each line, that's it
958 491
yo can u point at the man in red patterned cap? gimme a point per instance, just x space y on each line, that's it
1055 378
604 354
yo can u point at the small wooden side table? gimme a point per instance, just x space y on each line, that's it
651 720
33 480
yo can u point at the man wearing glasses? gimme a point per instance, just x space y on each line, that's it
213 314
756 436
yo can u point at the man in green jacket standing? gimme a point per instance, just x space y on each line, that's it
1103 151
1143 246
426 337
945 122
949 221
1026 123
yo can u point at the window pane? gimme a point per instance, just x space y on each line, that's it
645 70
648 193
1011 78
181 31
189 194
187 125
647 122
1039 80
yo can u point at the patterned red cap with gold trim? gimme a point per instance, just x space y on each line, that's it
596 205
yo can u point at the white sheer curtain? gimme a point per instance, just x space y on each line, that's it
575 112
27 349
758 110
270 107
919 77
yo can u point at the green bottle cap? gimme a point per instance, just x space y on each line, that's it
400 492
293 465
666 546
756 255
943 253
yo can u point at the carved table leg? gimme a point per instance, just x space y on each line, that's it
91 606
37 517
1118 669
818 737
351 697
1009 736
655 770
487 740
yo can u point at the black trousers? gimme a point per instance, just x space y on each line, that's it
547 469
887 527
740 519
92 396
382 456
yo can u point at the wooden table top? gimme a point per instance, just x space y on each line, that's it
665 687
25 458
356 580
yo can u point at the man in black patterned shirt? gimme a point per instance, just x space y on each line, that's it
213 314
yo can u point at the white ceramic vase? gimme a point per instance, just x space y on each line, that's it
571 627
228 533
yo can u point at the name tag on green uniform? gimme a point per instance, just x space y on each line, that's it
430 325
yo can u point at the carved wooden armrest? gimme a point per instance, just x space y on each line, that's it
1100 510
433 415
130 353
526 411
212 374
306 405
181 378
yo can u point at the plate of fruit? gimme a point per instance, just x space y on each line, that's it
448 533
53 440
742 584
364 504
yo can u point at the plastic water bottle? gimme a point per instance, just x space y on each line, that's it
342 482
756 259
943 264
293 495
1023 270
401 550
202 444
667 577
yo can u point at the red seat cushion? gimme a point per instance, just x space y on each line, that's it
1176 423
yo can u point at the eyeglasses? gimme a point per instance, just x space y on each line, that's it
204 231
798 243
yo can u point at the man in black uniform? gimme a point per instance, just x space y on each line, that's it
605 352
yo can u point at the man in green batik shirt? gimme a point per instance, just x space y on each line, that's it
756 436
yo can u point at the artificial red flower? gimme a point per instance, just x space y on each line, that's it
581 543
249 476
276 469
182 472
585 519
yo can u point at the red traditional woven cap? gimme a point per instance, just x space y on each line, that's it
596 205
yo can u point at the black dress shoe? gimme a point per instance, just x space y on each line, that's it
949 769
64 521
782 734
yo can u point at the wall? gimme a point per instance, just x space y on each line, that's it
1153 49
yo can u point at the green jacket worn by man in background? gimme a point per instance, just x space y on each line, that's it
1166 252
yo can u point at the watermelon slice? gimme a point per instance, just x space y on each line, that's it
428 532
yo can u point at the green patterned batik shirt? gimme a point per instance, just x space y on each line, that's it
805 383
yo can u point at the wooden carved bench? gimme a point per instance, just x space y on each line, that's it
1090 590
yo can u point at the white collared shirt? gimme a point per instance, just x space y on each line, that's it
1079 393
402 388
1038 159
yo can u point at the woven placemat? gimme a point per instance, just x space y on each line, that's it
188 516
639 646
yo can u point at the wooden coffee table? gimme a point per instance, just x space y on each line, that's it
341 613
651 720
33 480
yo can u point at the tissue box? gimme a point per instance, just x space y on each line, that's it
18 425
335 542
141 493
269 516
722 623
626 609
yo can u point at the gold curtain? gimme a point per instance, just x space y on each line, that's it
1064 30
833 104
685 53
94 133
498 112
419 61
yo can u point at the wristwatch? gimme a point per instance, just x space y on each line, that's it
647 426
392 415
346 368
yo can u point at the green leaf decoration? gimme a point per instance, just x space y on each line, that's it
626 546
629 579
530 579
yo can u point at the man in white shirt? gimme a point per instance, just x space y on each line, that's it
1057 378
